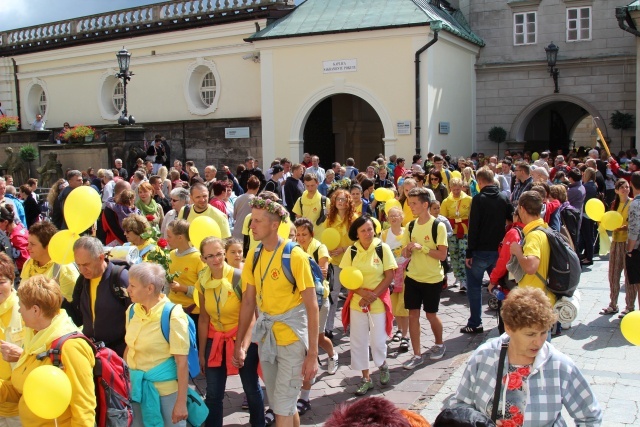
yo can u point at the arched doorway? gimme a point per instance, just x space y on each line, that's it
557 122
342 126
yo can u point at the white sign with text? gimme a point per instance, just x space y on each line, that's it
340 66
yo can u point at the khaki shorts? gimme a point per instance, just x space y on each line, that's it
283 378
324 313
397 305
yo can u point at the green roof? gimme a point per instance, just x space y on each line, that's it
314 17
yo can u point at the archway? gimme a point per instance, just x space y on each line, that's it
361 107
343 126
556 122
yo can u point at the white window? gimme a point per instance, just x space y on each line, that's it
208 89
524 28
579 24
42 103
118 96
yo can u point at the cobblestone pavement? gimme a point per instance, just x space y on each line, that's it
594 343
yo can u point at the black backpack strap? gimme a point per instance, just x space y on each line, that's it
496 393
316 255
412 224
236 284
354 251
434 231
323 216
115 285
380 252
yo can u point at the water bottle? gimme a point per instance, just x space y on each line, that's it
497 292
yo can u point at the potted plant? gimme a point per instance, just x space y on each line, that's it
9 123
497 134
621 121
79 134
28 153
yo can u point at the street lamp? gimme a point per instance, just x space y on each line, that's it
124 58
552 57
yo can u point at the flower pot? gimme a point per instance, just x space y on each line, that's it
77 140
88 138
12 129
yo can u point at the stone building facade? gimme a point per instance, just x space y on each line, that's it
596 62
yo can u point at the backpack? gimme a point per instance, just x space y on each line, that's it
378 249
316 272
570 219
111 378
446 267
564 265
323 206
165 326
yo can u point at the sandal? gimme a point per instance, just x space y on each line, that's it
303 406
608 311
624 313
397 336
269 418
404 345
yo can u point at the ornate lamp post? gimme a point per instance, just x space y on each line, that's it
124 58
552 57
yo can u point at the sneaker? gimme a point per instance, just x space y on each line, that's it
413 362
245 404
385 377
332 365
437 351
463 286
404 345
364 387
472 330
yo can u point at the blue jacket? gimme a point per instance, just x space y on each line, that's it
19 208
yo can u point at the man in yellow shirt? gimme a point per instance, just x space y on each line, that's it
287 329
425 275
200 198
312 205
533 257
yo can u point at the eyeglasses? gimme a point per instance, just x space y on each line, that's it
175 200
341 199
211 256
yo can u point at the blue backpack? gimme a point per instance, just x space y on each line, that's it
165 326
316 272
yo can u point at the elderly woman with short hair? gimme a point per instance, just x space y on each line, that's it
135 226
537 381
179 197
159 367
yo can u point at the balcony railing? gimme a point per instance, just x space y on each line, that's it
135 18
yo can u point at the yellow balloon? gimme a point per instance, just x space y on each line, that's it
47 392
351 278
82 208
456 174
377 225
331 238
393 203
630 327
61 246
535 156
612 220
383 194
594 208
203 227
284 229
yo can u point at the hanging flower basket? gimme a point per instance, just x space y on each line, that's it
79 134
9 123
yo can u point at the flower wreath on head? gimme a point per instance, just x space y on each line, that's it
271 207
344 184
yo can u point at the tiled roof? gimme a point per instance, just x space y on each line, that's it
315 17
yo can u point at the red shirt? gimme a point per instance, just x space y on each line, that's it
19 240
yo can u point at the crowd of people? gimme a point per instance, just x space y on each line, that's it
260 307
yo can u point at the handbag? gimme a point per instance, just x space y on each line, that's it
196 408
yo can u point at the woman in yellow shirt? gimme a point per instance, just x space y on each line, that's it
159 369
456 208
220 291
135 228
368 308
11 334
186 261
341 216
40 300
617 253
233 253
40 235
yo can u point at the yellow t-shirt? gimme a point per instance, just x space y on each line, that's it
147 246
537 245
323 252
246 232
372 268
274 295
146 346
341 226
460 207
311 209
188 265
423 268
213 213
406 211
67 276
93 292
224 312
623 208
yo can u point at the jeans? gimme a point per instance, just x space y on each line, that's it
217 381
482 261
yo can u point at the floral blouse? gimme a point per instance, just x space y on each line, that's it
516 396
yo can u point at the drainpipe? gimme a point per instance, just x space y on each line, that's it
15 79
435 26
621 16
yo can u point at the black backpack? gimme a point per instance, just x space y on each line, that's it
564 265
378 249
570 220
446 267
323 206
